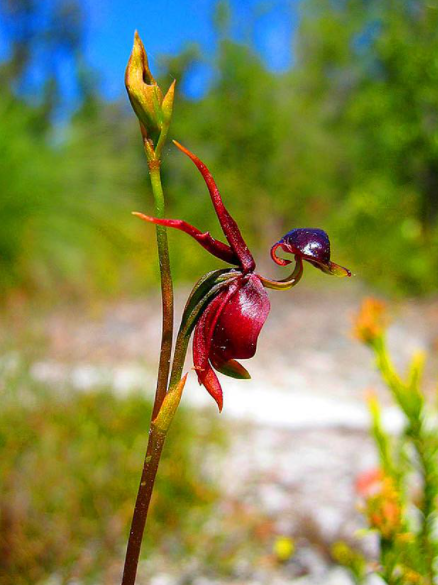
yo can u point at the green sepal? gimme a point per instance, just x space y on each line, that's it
203 292
232 369
167 105
171 401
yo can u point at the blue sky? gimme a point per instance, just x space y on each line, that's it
166 26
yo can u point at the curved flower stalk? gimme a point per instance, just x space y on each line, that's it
228 327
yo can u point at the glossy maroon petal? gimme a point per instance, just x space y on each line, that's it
240 322
229 226
202 340
215 247
203 337
201 343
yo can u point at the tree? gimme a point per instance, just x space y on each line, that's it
367 71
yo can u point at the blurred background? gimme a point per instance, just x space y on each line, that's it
309 114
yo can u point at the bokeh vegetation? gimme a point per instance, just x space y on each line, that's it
399 496
346 140
70 470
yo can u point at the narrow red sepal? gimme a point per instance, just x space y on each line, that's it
229 226
201 348
215 247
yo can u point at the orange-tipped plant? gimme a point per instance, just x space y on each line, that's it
399 497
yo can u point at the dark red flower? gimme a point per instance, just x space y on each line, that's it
228 330
229 326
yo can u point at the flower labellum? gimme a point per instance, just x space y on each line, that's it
312 245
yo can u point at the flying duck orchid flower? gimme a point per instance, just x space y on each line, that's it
228 326
312 245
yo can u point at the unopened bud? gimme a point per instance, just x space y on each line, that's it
143 91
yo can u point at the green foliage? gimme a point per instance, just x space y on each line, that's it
368 73
62 207
69 470
400 496
346 141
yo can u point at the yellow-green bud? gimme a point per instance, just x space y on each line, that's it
143 91
171 401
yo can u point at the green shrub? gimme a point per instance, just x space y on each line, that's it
399 497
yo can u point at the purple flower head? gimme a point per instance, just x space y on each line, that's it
312 245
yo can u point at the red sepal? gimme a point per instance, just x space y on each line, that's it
215 247
229 226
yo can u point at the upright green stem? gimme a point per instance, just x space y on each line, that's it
387 561
154 112
150 467
166 289
413 411
156 437
153 454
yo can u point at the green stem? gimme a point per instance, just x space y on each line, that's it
151 462
387 370
428 503
156 437
387 561
166 289
417 434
